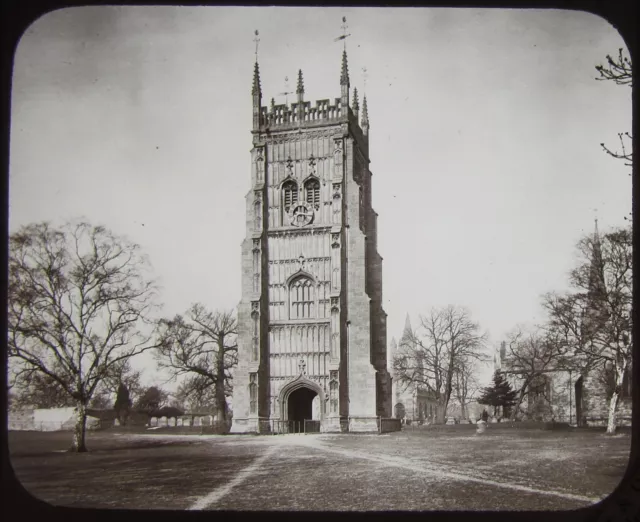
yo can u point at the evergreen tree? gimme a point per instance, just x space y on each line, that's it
122 405
499 394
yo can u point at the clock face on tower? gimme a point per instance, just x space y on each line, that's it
301 214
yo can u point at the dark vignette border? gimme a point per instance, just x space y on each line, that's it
622 505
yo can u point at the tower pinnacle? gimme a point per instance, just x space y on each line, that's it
256 90
300 88
344 76
356 103
364 123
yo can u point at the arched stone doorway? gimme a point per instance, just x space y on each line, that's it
300 404
302 399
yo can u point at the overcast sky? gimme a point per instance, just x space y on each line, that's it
485 140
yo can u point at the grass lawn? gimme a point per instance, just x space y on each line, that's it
145 472
443 468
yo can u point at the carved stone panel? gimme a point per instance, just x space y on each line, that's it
259 165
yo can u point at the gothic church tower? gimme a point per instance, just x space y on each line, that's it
312 330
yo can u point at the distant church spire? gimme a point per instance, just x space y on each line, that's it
407 333
596 273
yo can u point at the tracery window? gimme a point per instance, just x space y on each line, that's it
289 194
312 193
302 298
257 217
253 393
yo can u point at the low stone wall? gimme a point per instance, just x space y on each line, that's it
21 420
389 425
187 420
51 419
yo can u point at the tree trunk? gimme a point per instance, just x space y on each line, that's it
463 411
613 407
615 398
516 409
221 401
441 418
80 430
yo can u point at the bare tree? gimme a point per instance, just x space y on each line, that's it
34 389
78 296
197 393
465 385
528 355
202 346
620 71
445 340
593 323
122 373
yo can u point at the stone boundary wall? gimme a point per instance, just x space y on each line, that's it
21 420
389 425
49 419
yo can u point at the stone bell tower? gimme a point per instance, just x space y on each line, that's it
312 330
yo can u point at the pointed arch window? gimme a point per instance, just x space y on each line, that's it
257 215
312 193
301 298
289 194
253 393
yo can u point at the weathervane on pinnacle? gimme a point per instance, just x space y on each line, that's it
256 40
344 33
286 90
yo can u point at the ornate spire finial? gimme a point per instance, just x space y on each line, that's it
256 90
356 104
344 32
364 78
344 35
300 88
256 40
344 76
